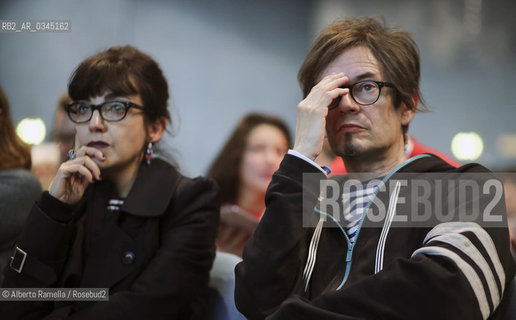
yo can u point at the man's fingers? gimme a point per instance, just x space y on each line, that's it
325 91
312 111
332 77
334 97
332 81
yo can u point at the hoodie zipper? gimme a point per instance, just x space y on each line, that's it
351 246
349 255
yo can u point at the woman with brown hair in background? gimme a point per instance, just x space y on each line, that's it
243 169
18 187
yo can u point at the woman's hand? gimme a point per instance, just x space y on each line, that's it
312 112
74 175
232 239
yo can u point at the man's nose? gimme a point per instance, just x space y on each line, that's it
347 104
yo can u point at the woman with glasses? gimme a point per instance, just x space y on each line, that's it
115 217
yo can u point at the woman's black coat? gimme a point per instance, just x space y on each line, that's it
154 255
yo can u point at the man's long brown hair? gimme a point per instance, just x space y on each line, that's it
397 55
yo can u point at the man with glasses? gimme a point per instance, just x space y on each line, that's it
360 83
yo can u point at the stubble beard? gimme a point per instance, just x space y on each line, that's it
354 149
351 148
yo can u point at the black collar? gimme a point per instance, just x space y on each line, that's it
153 188
150 195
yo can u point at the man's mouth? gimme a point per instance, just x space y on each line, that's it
350 127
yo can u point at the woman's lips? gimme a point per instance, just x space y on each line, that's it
98 144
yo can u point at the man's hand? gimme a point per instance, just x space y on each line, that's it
312 112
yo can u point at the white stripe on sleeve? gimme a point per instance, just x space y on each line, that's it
468 272
481 234
462 243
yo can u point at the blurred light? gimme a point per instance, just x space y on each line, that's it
467 146
45 153
506 145
31 131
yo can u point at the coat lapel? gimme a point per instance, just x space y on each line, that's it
119 246
107 263
152 190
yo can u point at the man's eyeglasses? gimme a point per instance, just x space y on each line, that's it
364 92
81 112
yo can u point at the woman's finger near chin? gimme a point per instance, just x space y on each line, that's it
91 152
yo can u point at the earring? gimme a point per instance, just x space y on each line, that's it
149 153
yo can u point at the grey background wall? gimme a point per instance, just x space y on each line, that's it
224 58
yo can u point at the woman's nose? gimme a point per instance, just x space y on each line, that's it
273 158
96 121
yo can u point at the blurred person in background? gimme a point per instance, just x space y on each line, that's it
45 162
243 170
18 187
115 217
47 157
509 185
64 129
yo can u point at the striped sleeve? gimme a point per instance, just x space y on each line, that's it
473 251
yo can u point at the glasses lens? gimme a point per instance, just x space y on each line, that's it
366 92
113 110
79 112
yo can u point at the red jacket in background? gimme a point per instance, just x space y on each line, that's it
412 149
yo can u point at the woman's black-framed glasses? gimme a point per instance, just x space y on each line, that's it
364 92
81 112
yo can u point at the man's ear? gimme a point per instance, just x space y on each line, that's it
406 113
156 129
